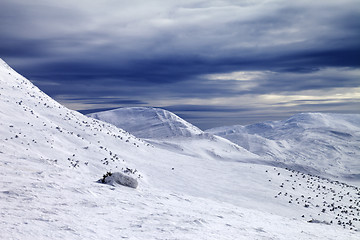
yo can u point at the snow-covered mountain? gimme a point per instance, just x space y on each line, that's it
147 122
166 130
316 143
51 158
319 143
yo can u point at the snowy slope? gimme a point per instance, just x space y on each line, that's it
148 122
319 143
51 158
166 130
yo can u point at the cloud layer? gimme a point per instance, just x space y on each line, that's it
195 57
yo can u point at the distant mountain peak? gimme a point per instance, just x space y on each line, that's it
148 122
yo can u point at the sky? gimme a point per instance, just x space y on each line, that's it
212 62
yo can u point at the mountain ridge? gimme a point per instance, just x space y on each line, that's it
148 122
330 140
306 138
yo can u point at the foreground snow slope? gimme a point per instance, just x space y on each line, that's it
51 158
319 143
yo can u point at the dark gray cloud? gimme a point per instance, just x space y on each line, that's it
103 54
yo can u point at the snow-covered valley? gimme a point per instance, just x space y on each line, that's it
192 184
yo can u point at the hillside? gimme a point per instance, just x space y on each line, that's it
166 130
317 143
146 122
51 158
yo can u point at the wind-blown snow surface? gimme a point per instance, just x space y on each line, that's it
319 143
51 158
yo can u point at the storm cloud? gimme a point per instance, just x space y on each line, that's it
237 60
